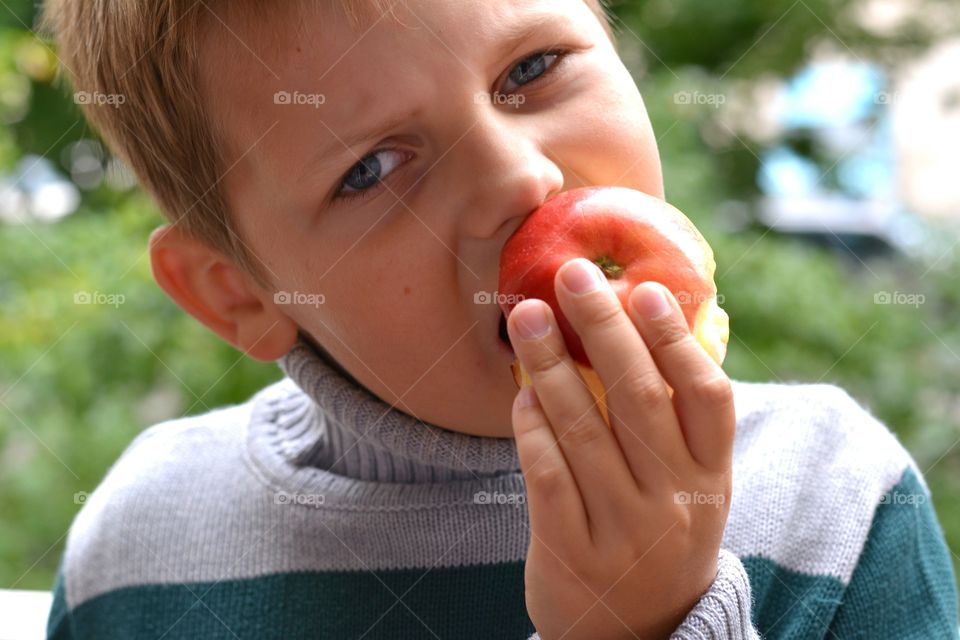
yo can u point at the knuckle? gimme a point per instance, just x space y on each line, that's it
670 335
714 390
645 389
596 569
585 573
684 519
626 548
602 313
544 358
526 426
545 479
582 432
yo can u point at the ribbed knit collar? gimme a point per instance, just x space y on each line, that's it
342 427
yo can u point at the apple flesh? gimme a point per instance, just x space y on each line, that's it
633 237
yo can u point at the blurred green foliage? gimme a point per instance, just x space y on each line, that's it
79 381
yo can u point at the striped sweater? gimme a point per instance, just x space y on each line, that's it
315 510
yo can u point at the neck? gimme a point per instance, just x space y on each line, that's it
345 429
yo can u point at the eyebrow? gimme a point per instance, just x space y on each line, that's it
533 23
512 38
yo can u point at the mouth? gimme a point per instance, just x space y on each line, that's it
504 338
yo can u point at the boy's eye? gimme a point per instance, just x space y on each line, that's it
371 169
375 167
531 68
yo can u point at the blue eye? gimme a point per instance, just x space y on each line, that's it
371 169
532 67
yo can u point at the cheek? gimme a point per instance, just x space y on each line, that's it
627 141
381 288
613 143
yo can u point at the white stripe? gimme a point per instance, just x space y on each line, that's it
811 467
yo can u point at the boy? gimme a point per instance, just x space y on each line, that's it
341 178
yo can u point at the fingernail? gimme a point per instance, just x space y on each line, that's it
581 277
532 323
652 303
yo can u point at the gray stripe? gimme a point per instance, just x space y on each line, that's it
197 499
183 505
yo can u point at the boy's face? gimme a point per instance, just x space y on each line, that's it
384 274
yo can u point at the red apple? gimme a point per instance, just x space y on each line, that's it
633 237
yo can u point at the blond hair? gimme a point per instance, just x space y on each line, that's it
147 51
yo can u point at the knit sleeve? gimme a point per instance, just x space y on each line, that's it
903 585
723 612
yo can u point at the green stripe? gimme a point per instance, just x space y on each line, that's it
482 602
789 604
346 604
58 621
904 585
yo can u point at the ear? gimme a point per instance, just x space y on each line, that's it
216 292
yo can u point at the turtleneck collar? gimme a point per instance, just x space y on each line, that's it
342 427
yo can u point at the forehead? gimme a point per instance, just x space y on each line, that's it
348 67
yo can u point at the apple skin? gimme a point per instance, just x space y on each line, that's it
633 237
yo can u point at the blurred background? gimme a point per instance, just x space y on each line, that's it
816 144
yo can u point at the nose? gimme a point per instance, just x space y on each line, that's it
513 173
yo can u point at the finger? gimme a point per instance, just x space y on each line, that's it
588 446
554 503
702 393
641 413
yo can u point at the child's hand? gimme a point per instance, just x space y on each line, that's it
626 523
